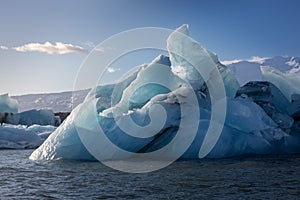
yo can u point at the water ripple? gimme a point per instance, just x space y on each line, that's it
238 178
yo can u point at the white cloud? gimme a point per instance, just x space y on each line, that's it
3 47
229 62
103 48
255 59
47 47
112 69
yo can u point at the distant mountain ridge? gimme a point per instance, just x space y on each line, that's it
58 102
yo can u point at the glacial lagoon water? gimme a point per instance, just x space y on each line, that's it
255 177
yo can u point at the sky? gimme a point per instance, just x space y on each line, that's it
44 43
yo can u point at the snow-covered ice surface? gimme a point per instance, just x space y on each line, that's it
250 70
23 137
256 121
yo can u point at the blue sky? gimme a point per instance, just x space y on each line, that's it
43 43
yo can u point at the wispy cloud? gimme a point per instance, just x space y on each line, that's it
104 48
89 44
112 69
100 49
47 47
3 47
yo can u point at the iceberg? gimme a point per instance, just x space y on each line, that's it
9 114
159 114
41 117
7 104
20 130
21 137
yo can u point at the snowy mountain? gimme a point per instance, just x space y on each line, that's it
249 70
58 102
243 70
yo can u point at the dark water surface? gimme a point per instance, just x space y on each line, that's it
267 177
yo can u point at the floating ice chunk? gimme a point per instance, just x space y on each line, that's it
40 117
21 137
7 104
